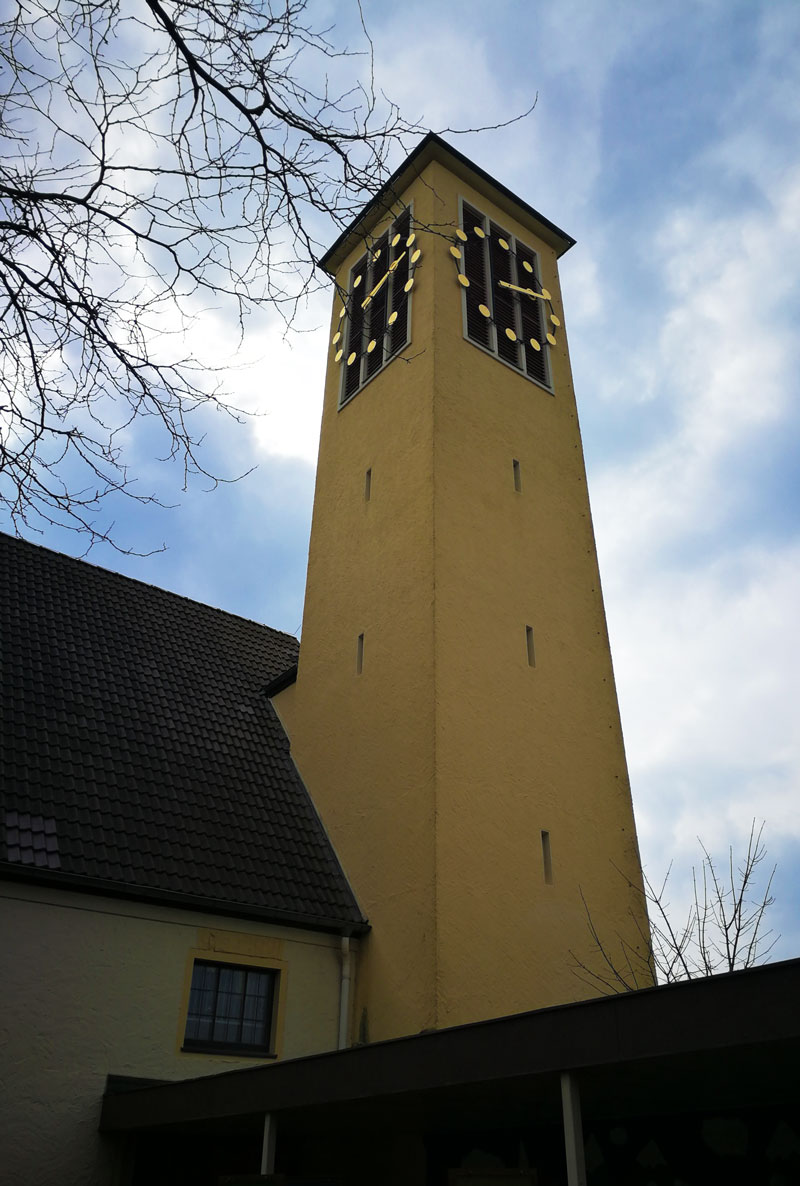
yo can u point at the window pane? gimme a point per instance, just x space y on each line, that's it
254 1023
230 998
230 1006
201 1002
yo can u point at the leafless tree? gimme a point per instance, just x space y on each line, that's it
723 930
157 158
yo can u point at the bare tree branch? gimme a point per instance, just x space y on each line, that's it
723 931
157 158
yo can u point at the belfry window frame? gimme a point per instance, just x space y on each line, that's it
490 292
396 299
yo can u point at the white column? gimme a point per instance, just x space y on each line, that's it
573 1130
268 1145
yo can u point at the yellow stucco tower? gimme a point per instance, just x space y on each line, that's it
454 714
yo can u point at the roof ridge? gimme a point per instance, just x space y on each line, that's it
114 575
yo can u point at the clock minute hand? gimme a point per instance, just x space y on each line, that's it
543 296
382 280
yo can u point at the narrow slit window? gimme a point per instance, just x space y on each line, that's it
368 485
529 646
547 859
517 476
360 654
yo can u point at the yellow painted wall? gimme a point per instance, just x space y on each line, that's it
438 767
99 986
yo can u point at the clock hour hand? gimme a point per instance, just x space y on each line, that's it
382 281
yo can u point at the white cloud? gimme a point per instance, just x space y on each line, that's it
703 614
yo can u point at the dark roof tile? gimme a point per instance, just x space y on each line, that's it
136 731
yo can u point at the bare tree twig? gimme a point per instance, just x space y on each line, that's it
157 158
723 931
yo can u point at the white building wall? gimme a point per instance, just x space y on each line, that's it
93 986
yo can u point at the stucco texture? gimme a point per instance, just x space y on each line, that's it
100 987
437 769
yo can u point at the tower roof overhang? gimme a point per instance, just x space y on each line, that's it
433 148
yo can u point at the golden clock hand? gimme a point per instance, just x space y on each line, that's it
544 295
382 280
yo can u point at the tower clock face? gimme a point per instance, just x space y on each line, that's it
373 322
508 311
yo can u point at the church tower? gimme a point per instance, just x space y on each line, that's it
454 714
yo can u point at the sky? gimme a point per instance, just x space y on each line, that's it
666 140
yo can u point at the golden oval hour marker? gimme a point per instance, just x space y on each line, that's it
377 255
512 337
480 232
395 240
535 344
461 235
393 318
484 310
336 338
351 359
456 254
409 284
371 346
527 266
551 339
462 280
357 281
410 239
339 354
503 244
546 295
342 313
415 255
554 319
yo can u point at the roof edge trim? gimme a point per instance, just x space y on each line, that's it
430 146
80 883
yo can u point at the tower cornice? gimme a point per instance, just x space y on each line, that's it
432 147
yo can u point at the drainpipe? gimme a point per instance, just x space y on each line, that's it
573 1130
344 993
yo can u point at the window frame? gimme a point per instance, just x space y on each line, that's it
209 1045
373 267
488 298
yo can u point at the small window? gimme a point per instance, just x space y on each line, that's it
231 1009
506 309
547 858
529 646
374 317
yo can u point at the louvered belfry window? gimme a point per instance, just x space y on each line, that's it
494 258
377 329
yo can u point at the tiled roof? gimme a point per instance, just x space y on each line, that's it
138 749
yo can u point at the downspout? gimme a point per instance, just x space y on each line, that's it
344 992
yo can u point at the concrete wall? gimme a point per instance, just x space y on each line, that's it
98 986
